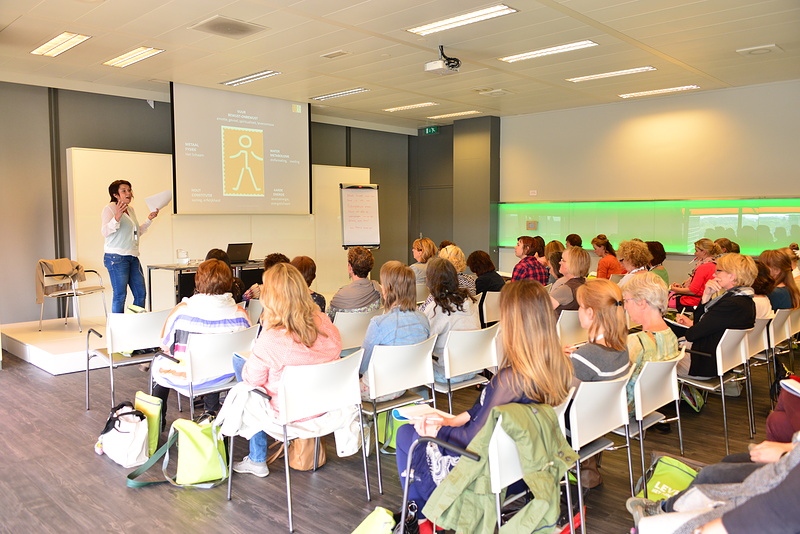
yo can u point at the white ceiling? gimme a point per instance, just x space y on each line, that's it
688 41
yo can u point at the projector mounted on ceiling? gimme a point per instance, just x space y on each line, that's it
443 65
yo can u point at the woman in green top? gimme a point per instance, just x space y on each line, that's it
659 255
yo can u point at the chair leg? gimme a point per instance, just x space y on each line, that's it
499 514
724 415
316 454
748 383
111 376
364 452
450 400
641 452
377 446
570 509
628 450
41 314
580 498
230 465
680 430
76 307
288 478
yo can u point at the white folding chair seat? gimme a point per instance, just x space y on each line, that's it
352 327
467 351
489 308
392 369
569 328
731 352
126 333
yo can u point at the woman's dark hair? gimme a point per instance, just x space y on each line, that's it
445 243
218 254
213 277
532 245
764 284
361 260
307 268
480 263
442 281
113 189
602 241
574 240
275 258
724 243
658 252
554 259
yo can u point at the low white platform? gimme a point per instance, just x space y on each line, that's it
58 348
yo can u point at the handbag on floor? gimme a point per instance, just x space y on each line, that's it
150 406
125 437
380 521
201 457
666 477
301 453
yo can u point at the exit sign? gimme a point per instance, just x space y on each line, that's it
431 130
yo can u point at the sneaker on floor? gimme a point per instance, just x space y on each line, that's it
251 467
640 508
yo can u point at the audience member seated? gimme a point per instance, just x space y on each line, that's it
535 370
574 267
645 299
272 259
724 244
785 295
635 257
400 323
423 249
763 285
362 294
656 264
445 243
237 287
574 240
455 255
608 263
689 292
784 420
789 251
736 498
551 248
211 310
727 302
554 260
453 308
488 278
295 332
308 268
529 250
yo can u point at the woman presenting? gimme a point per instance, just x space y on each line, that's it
122 230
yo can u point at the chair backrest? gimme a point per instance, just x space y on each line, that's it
422 293
561 410
254 309
757 340
126 332
210 355
308 390
569 328
467 351
490 307
656 386
617 278
780 327
353 326
732 350
597 409
795 321
505 467
395 368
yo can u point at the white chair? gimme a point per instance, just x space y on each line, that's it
794 329
757 343
126 333
352 327
597 409
254 310
467 351
62 285
731 352
210 356
422 293
569 328
308 390
489 308
392 369
616 278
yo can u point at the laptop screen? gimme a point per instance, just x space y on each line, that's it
239 252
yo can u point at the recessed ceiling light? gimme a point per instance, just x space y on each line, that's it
547 51
411 106
450 115
340 93
129 58
462 20
660 91
760 50
60 44
251 78
611 74
335 54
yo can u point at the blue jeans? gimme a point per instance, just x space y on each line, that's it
125 271
258 443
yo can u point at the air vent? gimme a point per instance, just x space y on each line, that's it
226 27
760 50
335 54
496 92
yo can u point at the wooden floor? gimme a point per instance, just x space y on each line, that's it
52 481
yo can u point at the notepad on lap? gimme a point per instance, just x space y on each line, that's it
418 411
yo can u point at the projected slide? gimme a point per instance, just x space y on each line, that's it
239 153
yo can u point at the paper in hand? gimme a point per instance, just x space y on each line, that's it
158 201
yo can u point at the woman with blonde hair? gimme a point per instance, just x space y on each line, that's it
635 257
534 370
785 295
689 292
455 255
295 332
605 356
574 267
422 249
608 263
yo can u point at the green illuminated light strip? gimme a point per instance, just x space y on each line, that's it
756 224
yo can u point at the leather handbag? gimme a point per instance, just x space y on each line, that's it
301 453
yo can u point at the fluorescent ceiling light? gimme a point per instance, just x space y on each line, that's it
547 51
660 91
143 52
450 115
251 78
60 44
611 74
462 20
340 93
412 106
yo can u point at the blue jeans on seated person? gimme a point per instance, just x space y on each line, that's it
125 271
258 443
438 375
